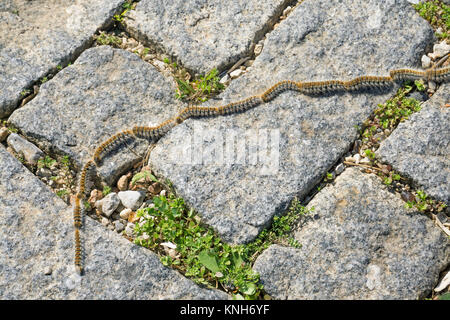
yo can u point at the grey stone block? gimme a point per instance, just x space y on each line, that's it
106 90
420 147
36 251
360 242
37 36
203 34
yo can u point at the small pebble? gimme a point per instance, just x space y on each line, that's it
125 213
48 271
105 221
440 49
4 132
357 158
122 184
110 203
44 172
287 10
258 49
339 168
224 79
426 62
129 229
408 196
349 159
131 199
163 193
236 73
365 161
118 226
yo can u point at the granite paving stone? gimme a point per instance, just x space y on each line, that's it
360 242
105 91
420 147
37 36
37 250
203 34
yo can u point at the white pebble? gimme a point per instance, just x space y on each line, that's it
445 282
236 73
131 199
258 49
105 221
426 62
125 213
224 79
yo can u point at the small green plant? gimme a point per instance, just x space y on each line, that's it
390 114
370 154
65 161
106 190
108 39
200 89
437 14
61 193
419 85
183 242
25 92
44 80
143 176
46 162
59 67
328 177
128 5
87 205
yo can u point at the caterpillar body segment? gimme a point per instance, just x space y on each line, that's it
77 212
321 87
153 133
438 75
78 253
109 144
84 174
279 88
400 75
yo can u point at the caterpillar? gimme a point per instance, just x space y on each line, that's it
84 173
153 133
77 211
314 87
110 143
78 253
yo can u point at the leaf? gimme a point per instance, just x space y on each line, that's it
445 296
209 260
141 175
237 259
249 289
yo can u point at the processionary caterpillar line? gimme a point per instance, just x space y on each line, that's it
314 88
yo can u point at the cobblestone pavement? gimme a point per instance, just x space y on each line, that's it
64 95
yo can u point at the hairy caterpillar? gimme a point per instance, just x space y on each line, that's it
153 133
77 211
278 88
401 75
78 253
84 173
314 87
110 143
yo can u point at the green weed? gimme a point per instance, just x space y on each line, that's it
200 254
